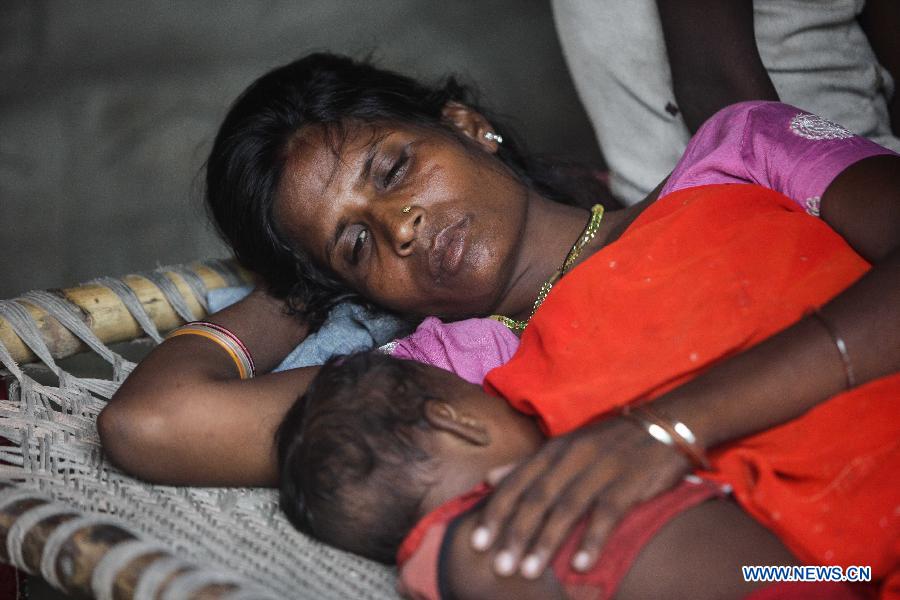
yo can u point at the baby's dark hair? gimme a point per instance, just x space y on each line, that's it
251 149
355 431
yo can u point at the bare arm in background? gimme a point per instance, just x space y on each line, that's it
713 56
880 20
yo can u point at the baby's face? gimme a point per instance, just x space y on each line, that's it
471 433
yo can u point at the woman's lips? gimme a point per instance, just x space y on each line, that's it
447 249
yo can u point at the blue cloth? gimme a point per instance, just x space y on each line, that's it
348 328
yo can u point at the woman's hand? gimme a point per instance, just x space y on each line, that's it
600 471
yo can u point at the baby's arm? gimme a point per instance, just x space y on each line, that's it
469 575
697 555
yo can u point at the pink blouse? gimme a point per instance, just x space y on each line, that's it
774 145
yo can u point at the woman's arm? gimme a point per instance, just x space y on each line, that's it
713 56
608 467
863 205
183 416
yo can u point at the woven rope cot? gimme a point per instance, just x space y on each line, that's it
92 531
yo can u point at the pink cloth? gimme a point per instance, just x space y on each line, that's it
468 348
771 144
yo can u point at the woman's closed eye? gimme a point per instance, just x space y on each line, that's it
359 242
397 170
359 238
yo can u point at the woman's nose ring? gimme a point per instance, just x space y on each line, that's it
406 209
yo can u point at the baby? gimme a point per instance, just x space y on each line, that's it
380 457
376 443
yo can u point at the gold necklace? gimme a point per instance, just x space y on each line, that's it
590 230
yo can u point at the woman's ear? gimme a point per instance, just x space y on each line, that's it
471 124
442 416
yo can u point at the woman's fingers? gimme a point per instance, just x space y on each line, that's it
505 498
602 470
516 514
607 511
615 502
569 508
606 488
530 519
495 476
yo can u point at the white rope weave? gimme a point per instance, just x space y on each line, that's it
60 536
103 579
17 316
154 576
187 584
170 291
11 495
209 535
244 595
193 281
225 271
133 304
67 315
25 327
19 529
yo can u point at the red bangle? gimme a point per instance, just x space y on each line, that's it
227 340
233 338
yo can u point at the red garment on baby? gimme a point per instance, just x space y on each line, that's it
701 275
419 554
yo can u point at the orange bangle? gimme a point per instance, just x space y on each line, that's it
223 338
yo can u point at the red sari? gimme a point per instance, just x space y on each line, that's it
701 275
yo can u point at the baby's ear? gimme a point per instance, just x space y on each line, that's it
442 416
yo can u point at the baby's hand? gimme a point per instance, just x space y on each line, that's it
601 470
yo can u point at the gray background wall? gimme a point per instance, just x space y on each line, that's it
108 108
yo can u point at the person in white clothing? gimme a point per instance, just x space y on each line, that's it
651 72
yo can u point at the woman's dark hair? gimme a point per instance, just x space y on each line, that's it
349 457
250 151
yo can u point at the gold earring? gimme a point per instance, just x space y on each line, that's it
406 210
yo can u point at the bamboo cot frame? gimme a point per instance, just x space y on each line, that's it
92 531
77 560
106 315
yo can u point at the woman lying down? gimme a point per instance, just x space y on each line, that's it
378 444
740 324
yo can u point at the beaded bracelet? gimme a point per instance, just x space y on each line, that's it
839 344
225 339
675 434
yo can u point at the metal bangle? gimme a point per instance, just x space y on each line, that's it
840 345
675 434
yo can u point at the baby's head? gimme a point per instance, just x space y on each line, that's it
377 442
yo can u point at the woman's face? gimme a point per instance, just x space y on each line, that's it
420 221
